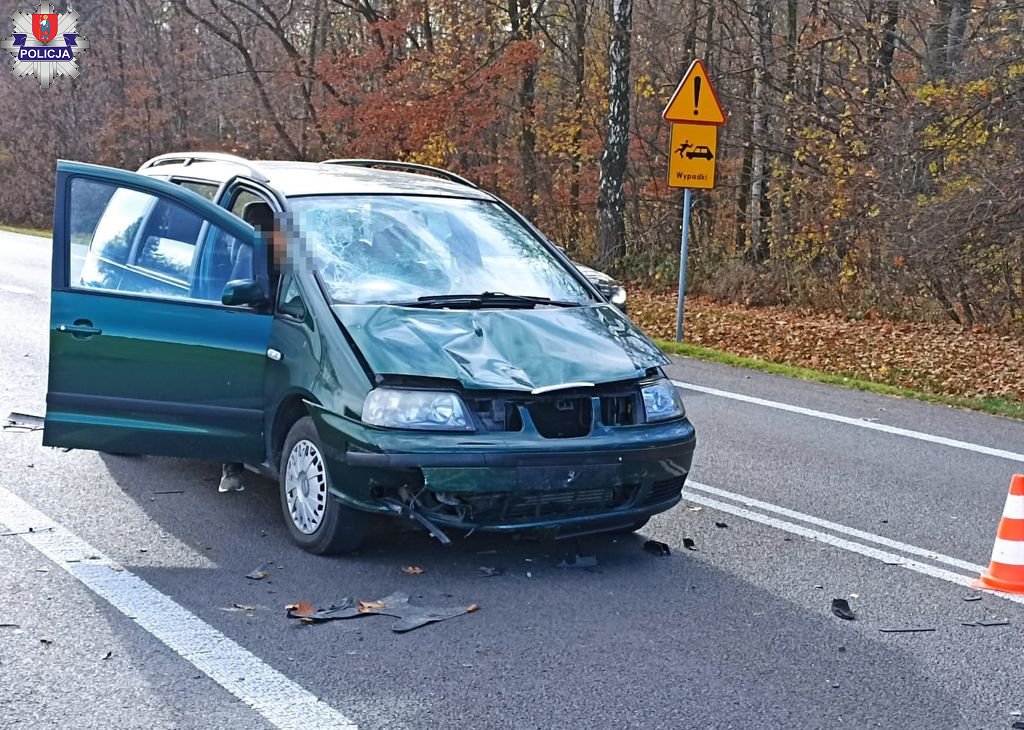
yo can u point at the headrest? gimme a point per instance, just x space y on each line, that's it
259 215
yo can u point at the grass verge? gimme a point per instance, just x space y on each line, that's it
995 405
27 231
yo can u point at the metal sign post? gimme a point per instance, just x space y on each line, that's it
687 202
693 151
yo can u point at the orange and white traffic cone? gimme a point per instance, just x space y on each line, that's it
1006 571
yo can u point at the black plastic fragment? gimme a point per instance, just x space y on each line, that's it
580 561
994 622
972 598
1018 725
906 629
396 605
721 525
657 548
841 609
689 544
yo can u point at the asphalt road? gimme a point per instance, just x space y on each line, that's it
737 633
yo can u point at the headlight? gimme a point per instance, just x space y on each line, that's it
662 401
416 409
618 297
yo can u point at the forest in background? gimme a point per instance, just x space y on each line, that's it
871 164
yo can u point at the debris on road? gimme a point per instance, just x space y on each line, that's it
396 605
413 570
657 548
580 561
10 626
46 642
23 423
988 622
1018 725
972 598
841 609
491 572
689 543
171 491
906 629
108 655
239 607
29 531
721 525
694 508
258 574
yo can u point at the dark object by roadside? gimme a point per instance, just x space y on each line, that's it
396 605
988 622
23 422
1018 725
841 609
259 574
657 548
580 561
972 598
721 525
491 572
907 629
689 544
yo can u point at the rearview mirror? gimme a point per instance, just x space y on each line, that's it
243 292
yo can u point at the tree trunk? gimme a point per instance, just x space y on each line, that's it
612 200
937 40
957 36
580 10
890 19
759 249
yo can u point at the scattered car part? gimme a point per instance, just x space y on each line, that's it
657 548
907 629
841 609
689 543
396 605
580 561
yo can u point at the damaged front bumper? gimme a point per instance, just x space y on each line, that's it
610 479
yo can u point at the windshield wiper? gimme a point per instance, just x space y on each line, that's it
484 299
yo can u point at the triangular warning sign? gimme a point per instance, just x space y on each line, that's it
695 100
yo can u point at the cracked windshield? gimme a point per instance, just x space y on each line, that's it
376 249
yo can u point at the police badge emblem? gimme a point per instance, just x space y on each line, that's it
39 49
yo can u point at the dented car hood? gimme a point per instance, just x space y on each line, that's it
501 349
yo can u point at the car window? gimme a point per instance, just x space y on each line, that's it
385 248
242 198
207 190
133 242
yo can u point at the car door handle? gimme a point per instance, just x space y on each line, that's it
82 329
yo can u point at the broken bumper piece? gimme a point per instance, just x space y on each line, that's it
547 485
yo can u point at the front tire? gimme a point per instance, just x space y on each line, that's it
317 522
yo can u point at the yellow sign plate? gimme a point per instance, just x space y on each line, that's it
692 155
695 100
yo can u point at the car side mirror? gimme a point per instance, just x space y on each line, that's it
243 292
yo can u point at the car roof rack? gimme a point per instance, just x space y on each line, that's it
404 166
187 158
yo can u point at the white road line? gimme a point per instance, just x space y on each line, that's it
836 527
280 701
859 422
855 547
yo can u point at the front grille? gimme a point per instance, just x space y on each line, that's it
664 490
531 506
557 415
561 418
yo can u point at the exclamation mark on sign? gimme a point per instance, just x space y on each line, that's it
696 96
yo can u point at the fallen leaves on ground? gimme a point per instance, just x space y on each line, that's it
941 359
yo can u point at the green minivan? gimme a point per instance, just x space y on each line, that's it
417 348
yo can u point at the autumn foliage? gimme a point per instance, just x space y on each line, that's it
872 159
